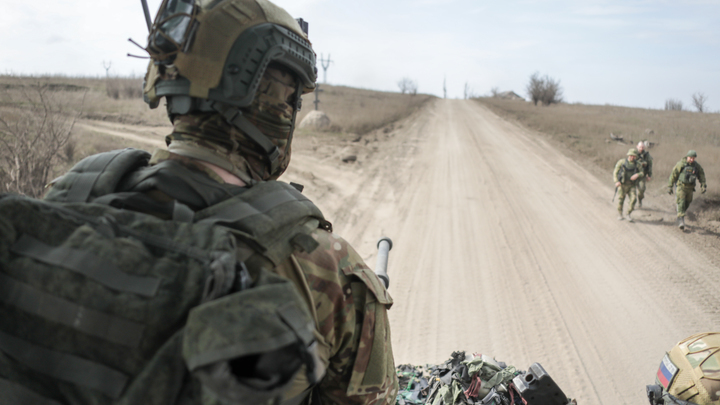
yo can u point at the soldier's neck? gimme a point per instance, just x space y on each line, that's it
224 174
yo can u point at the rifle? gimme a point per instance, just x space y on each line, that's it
384 245
613 199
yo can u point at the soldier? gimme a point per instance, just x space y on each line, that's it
646 161
625 175
685 174
688 374
233 73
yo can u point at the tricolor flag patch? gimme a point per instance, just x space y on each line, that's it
666 372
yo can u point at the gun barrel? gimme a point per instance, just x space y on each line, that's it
384 245
146 11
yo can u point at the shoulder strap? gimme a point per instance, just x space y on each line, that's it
272 216
96 175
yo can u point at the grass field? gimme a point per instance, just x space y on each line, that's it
583 132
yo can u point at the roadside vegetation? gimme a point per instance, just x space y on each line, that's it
584 133
42 133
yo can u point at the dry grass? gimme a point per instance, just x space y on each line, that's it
584 131
360 111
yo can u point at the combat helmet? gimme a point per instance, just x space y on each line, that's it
210 56
633 152
689 373
691 153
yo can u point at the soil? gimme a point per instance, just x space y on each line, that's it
505 246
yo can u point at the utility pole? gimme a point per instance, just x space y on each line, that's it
317 93
325 66
107 69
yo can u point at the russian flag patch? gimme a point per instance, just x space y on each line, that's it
666 372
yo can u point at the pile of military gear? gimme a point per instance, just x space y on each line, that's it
477 380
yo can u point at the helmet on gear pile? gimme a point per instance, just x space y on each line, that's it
689 373
210 56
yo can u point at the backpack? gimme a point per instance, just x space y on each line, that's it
102 305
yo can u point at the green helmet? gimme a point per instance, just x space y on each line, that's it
211 55
633 152
689 373
691 153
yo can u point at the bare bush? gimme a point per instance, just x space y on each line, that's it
672 104
544 90
123 87
407 86
699 100
34 128
494 92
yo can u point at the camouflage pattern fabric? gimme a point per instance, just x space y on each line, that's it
623 191
685 191
676 175
349 306
208 137
646 162
641 187
629 166
683 200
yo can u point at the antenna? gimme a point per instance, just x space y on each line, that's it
147 14
325 66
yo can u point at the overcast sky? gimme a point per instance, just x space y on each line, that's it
632 53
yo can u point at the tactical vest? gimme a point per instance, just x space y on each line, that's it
626 171
108 306
688 174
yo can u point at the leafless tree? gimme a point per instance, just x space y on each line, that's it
699 100
672 104
444 87
494 92
544 90
34 129
407 86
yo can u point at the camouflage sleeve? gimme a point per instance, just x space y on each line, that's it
701 176
351 305
648 172
617 169
675 174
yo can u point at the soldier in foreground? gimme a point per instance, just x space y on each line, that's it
646 161
689 374
684 175
232 73
627 172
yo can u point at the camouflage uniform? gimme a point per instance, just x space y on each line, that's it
348 302
685 189
627 186
646 161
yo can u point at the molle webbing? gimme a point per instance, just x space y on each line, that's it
14 393
86 263
64 367
34 301
273 215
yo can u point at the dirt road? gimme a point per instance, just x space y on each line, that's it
506 247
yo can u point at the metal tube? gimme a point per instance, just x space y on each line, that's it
146 10
384 245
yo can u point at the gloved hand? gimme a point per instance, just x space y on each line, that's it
703 189
670 191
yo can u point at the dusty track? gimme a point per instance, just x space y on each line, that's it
506 247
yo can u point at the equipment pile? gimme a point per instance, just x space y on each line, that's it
477 380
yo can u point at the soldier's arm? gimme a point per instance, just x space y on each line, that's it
617 169
649 166
674 175
351 306
701 176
